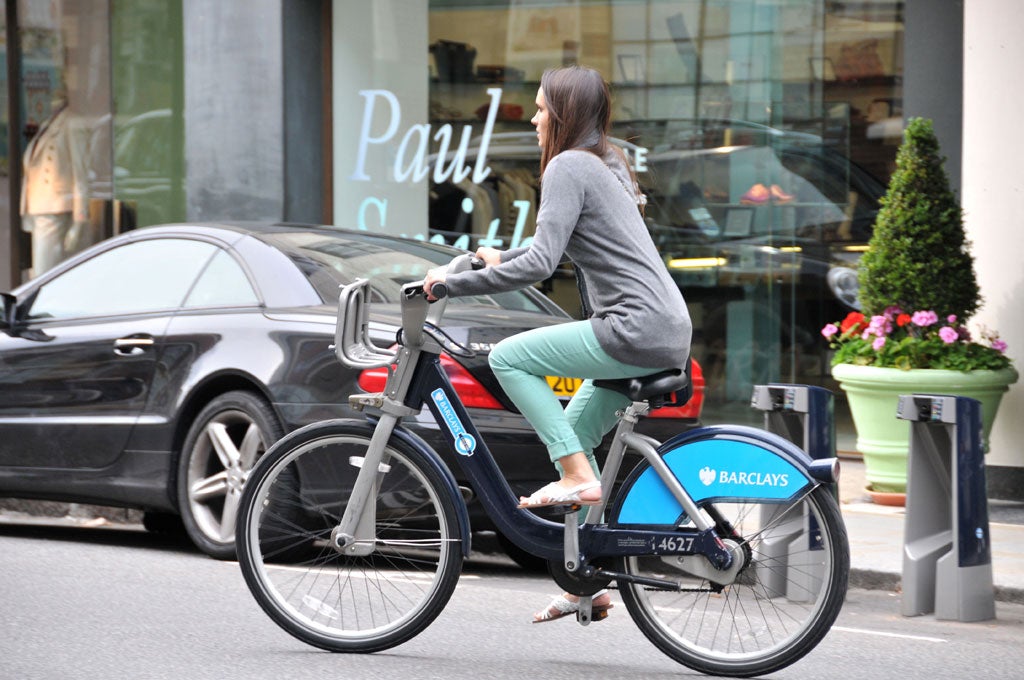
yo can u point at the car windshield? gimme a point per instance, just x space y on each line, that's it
332 259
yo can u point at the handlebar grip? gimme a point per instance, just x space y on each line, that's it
440 289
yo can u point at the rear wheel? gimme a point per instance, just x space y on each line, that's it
333 600
795 563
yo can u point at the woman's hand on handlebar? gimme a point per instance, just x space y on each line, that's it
436 275
490 256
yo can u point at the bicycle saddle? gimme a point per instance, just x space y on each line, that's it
656 388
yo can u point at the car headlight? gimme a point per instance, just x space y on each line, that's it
842 281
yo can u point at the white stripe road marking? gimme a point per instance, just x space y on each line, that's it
921 638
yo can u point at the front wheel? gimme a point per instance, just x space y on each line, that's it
795 563
293 500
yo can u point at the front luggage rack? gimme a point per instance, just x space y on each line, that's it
352 344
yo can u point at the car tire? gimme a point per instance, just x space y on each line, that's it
223 443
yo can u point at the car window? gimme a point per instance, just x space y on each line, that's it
145 276
223 283
331 260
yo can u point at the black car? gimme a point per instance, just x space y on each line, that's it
153 369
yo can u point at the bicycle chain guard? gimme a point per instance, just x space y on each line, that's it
575 583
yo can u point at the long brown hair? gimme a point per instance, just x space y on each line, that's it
579 104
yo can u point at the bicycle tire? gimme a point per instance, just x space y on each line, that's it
779 607
339 602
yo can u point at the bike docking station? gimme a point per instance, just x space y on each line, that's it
947 552
801 414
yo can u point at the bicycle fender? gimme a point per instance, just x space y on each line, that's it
430 456
718 463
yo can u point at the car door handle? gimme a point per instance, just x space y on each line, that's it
132 346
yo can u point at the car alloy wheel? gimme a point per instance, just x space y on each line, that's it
223 444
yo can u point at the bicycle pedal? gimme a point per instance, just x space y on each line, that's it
596 615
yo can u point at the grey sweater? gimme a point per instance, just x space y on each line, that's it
587 213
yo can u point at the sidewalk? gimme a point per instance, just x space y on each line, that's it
876 538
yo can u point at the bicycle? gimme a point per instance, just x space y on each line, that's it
726 542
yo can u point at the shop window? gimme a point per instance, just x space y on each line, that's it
761 132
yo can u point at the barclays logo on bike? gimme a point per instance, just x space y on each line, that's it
465 444
709 476
728 468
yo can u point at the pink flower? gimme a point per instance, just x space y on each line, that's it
924 319
948 335
829 330
879 343
951 318
879 326
999 345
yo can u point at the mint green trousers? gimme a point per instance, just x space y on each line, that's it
569 350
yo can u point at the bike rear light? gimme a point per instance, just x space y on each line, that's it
472 393
690 409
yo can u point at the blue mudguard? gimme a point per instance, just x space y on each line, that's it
717 463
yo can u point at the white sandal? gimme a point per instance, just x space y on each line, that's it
563 606
555 494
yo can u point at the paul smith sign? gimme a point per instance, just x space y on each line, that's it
413 162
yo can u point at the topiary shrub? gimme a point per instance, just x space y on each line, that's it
918 256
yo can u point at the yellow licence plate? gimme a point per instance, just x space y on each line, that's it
564 387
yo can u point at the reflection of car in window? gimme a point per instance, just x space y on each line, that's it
722 196
761 228
780 204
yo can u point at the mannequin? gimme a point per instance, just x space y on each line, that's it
54 190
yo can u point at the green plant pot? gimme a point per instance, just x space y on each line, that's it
882 438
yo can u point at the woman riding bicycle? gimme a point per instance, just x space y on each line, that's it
638 322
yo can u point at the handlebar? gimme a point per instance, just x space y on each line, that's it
352 343
461 263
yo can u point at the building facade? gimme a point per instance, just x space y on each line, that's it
762 131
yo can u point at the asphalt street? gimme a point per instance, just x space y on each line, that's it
113 602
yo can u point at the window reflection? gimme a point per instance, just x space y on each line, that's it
762 132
